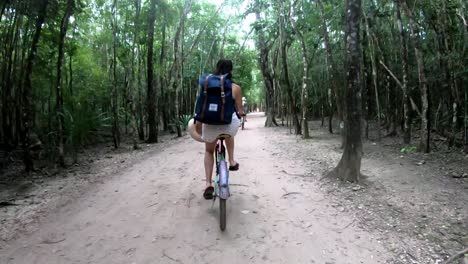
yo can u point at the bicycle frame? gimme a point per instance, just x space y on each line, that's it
221 182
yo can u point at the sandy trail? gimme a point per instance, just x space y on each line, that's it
153 212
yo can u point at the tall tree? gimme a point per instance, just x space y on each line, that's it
264 63
134 86
115 95
178 63
349 167
403 48
304 92
151 92
285 69
461 11
445 47
331 70
372 56
424 144
58 85
11 38
27 92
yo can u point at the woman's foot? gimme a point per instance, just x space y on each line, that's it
208 193
234 167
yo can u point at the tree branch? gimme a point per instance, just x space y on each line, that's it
243 44
462 18
197 37
413 104
391 74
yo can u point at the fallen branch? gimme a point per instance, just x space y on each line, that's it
48 242
348 225
293 174
456 256
171 258
151 205
289 193
5 204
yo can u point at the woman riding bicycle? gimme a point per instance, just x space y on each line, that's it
209 133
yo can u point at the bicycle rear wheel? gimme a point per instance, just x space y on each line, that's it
222 214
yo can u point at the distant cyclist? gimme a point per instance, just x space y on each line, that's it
244 105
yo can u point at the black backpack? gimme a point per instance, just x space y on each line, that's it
215 104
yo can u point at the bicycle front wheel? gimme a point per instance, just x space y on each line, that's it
222 214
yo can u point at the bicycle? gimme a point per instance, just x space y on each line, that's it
243 122
221 181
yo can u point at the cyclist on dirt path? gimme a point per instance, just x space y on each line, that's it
244 105
209 133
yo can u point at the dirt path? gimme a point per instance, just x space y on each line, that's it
154 213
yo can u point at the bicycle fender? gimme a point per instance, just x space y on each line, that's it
224 193
223 174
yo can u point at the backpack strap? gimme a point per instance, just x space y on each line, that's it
223 97
205 100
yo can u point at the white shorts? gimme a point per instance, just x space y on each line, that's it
211 132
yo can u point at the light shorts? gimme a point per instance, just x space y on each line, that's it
211 132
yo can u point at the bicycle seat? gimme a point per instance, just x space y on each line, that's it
224 136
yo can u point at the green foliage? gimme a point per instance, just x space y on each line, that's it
409 149
86 126
184 121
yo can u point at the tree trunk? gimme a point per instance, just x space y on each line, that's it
28 106
7 78
404 63
466 120
464 24
162 84
349 167
446 48
424 145
141 114
374 77
281 94
58 84
20 76
365 85
265 69
179 53
304 92
151 94
115 95
132 82
287 82
331 69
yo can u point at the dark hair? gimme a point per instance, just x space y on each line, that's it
224 67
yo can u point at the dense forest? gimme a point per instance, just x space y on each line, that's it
78 72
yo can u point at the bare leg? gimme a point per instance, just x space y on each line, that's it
230 150
198 127
195 130
209 162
